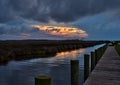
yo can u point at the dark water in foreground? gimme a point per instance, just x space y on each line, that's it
58 67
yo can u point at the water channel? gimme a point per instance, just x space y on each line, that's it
58 67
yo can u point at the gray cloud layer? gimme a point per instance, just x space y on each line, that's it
57 10
97 17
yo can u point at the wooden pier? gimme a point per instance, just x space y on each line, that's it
107 70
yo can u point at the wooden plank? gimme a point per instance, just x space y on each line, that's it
107 71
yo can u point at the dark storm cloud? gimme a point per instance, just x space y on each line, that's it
57 10
101 26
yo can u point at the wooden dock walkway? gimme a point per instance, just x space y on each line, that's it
107 71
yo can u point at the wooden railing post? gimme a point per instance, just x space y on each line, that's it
42 80
96 57
92 60
75 79
86 66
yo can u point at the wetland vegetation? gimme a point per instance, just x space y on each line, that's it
27 49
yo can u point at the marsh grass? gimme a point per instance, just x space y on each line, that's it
27 49
117 47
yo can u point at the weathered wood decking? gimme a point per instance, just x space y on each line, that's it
107 71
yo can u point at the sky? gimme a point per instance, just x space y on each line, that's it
92 19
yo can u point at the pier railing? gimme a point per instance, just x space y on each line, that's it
90 61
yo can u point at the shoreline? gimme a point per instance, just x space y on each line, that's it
28 49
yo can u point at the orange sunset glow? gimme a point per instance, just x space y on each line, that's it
70 54
62 31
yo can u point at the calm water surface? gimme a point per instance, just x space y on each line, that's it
58 67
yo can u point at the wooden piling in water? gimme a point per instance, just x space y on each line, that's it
96 57
42 80
92 60
75 79
100 53
86 66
